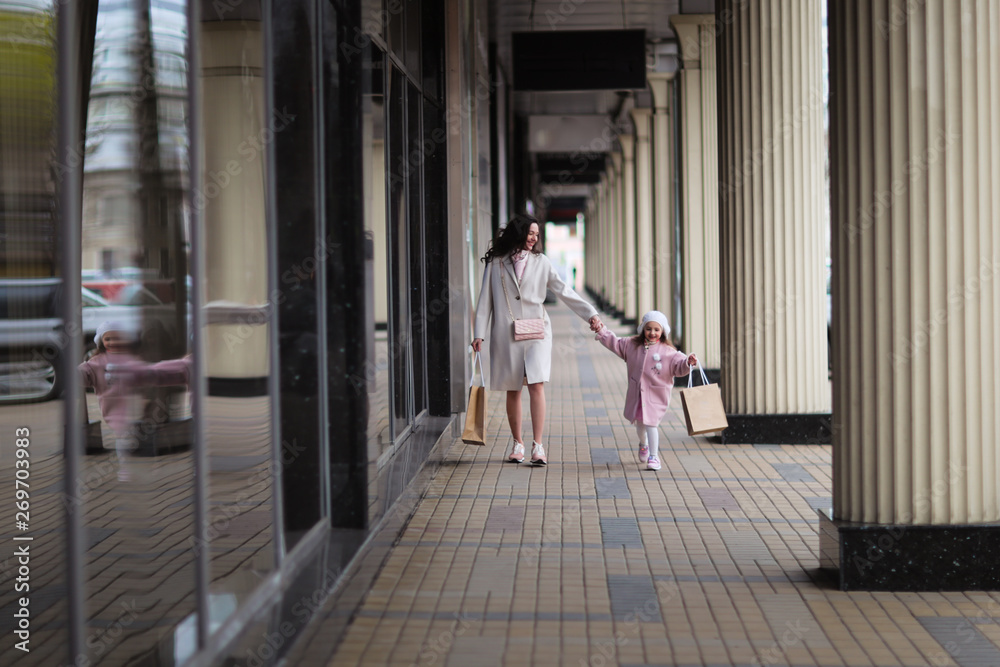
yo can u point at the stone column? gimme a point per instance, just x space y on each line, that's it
596 234
663 200
915 153
775 381
644 255
236 138
700 168
618 241
608 242
589 251
627 181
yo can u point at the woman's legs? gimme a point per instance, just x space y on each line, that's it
536 398
514 414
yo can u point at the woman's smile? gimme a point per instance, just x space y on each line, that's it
532 239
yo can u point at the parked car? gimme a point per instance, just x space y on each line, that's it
29 333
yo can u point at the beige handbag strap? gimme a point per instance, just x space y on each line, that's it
503 284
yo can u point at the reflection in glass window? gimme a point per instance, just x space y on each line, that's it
230 196
139 459
373 157
30 345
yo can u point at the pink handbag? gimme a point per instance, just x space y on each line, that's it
526 329
529 329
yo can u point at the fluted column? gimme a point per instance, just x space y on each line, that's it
663 200
589 248
915 147
618 218
597 235
628 226
644 255
608 251
699 165
774 351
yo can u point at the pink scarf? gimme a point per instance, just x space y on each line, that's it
520 261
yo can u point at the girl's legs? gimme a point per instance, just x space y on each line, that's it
653 439
514 414
123 446
536 398
640 429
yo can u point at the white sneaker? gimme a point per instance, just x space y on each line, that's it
653 463
517 453
643 452
538 454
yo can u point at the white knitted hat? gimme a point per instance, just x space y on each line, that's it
654 316
109 325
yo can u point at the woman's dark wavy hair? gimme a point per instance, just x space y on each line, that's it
511 238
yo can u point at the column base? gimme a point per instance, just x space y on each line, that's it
237 387
880 557
802 429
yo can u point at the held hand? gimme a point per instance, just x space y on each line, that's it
477 344
692 360
596 324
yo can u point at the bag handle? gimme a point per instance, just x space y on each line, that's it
482 376
704 378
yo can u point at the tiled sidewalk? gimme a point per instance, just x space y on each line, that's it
593 560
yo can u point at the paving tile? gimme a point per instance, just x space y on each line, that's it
709 561
633 598
612 488
793 472
695 463
620 532
961 641
604 455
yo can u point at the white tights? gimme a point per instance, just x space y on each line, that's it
650 436
124 447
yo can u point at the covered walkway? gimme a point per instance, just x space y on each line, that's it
593 560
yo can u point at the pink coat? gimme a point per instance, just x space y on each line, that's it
119 405
120 401
647 386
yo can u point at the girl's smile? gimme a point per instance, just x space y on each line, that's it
115 342
652 331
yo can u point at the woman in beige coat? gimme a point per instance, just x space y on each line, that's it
513 262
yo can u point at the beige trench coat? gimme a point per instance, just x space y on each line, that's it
511 361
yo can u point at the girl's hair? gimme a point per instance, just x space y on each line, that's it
640 338
511 238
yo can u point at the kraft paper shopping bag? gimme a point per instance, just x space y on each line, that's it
703 409
475 416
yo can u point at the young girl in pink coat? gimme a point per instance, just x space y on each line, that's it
119 404
653 363
116 375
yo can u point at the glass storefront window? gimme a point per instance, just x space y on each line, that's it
140 563
376 268
270 224
32 339
231 199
